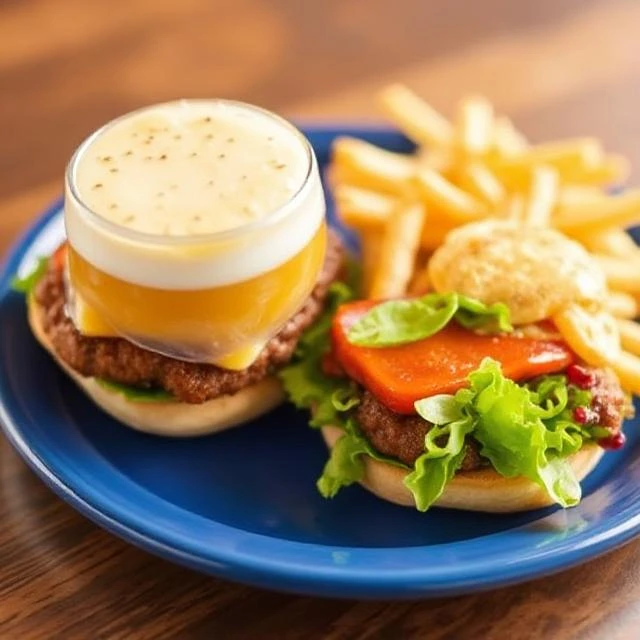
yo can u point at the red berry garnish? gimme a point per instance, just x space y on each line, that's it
580 376
580 415
614 441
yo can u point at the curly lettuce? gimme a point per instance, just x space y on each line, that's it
523 430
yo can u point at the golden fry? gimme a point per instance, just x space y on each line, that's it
434 232
438 159
507 140
420 282
362 208
398 252
370 248
418 120
475 125
627 367
630 336
442 195
610 242
622 305
612 170
574 160
481 182
600 213
568 154
543 195
593 336
364 165
621 273
515 208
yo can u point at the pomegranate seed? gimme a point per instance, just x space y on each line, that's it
580 415
614 441
585 415
580 376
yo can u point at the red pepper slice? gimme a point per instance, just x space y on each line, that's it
398 376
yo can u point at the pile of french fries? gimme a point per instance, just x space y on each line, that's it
480 166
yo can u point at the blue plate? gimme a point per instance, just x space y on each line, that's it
243 504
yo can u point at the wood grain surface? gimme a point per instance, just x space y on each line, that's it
559 67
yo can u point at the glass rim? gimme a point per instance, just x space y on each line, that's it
272 218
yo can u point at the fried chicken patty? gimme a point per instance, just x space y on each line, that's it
121 361
402 436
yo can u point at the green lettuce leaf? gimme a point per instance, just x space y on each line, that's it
303 379
398 322
523 430
437 466
136 394
27 283
345 464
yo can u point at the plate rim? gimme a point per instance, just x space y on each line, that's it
333 580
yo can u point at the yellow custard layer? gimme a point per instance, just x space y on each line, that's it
227 325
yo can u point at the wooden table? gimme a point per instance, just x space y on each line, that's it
559 67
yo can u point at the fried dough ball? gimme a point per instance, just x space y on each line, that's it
535 271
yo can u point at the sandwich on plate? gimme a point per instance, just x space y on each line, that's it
498 390
196 255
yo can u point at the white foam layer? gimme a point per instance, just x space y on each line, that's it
271 169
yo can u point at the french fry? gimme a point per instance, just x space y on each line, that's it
627 368
398 251
420 283
434 232
621 305
577 195
362 208
438 159
475 125
370 248
442 195
515 208
600 213
610 242
364 165
418 120
630 336
612 170
574 160
567 154
507 140
479 181
542 196
594 336
622 274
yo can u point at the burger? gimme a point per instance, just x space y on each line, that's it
196 255
496 391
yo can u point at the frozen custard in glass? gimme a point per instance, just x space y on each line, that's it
196 229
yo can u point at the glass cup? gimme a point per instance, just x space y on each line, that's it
221 296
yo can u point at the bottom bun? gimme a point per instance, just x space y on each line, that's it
484 490
171 418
